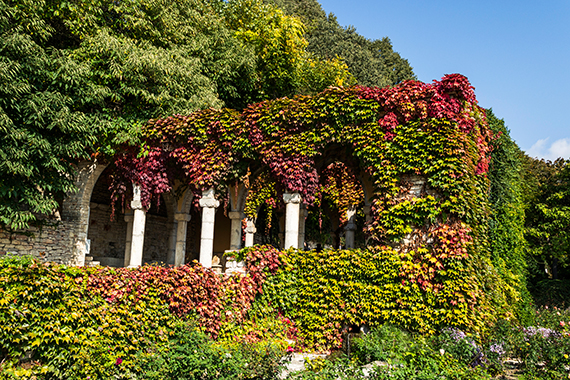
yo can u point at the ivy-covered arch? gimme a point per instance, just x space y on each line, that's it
436 131
422 152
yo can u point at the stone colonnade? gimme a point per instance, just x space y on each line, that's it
75 219
294 224
295 215
136 224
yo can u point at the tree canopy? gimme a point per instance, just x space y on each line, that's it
80 78
548 216
372 62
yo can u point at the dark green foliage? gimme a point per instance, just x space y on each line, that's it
548 218
385 343
372 62
80 78
190 354
506 224
547 210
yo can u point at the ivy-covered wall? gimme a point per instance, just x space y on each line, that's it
436 131
423 152
430 246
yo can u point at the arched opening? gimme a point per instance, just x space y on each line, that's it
337 218
194 228
222 234
107 239
269 226
321 227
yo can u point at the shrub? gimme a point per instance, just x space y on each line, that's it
61 322
191 354
459 345
384 343
322 291
321 369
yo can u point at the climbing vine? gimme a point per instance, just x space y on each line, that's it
423 151
436 131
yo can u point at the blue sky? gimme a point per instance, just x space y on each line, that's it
515 53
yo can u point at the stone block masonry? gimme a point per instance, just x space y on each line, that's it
51 243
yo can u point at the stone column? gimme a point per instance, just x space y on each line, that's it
292 206
129 239
302 217
249 232
209 204
235 232
171 253
182 220
350 228
139 220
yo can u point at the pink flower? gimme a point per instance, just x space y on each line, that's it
119 361
290 349
562 323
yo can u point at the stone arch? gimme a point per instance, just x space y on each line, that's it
107 237
111 239
76 207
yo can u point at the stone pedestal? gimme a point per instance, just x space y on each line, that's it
235 233
139 220
182 220
209 204
292 208
249 232
233 266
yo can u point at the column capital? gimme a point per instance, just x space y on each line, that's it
236 215
136 204
208 199
292 198
182 217
350 227
250 227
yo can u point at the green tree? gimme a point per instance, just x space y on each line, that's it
281 64
548 217
372 62
79 78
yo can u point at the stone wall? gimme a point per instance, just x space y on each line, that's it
53 244
157 234
107 238
193 232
